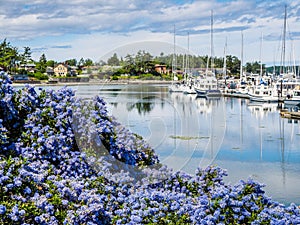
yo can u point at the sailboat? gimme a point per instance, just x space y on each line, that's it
208 86
242 89
287 84
175 86
189 81
263 91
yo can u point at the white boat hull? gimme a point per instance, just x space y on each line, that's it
208 93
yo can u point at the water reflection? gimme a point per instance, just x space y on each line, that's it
262 109
143 106
245 138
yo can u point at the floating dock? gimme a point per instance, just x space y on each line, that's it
290 115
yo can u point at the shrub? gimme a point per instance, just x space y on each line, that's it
65 160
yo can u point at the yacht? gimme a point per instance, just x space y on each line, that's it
264 93
207 86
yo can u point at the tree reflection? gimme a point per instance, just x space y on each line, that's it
143 106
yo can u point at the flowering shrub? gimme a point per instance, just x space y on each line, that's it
64 160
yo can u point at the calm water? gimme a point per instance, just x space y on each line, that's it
249 140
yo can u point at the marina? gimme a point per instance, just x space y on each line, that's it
189 132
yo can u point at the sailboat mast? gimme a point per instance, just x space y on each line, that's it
174 56
188 55
260 54
294 60
283 43
211 46
225 58
242 56
212 41
184 65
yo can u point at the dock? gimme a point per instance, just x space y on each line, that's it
290 115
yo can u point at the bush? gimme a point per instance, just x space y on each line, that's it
41 76
64 160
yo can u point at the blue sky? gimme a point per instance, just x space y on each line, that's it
96 29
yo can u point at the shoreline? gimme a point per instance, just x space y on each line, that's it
95 82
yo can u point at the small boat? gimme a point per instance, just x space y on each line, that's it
189 90
242 91
188 87
236 90
176 87
293 98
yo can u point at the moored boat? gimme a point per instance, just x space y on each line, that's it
293 98
207 87
264 93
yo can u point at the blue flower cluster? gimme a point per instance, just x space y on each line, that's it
64 160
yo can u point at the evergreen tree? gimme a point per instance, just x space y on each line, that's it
42 64
8 56
26 56
71 62
113 61
88 62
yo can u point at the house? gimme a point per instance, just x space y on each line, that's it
93 70
162 69
29 67
49 71
109 69
63 70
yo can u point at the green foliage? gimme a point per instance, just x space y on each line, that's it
42 64
148 76
41 76
121 71
113 61
166 77
144 63
71 62
115 77
26 56
88 62
8 56
30 74
50 63
254 67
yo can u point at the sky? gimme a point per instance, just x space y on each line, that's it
96 29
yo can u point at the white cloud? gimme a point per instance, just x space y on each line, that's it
92 26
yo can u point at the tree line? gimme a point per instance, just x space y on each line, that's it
11 60
144 62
